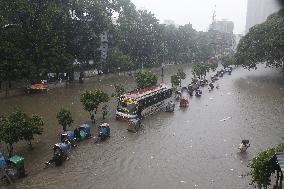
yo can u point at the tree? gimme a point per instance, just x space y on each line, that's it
181 75
38 44
263 44
260 174
91 101
200 70
33 127
228 61
175 80
64 118
118 90
213 64
145 79
117 60
19 126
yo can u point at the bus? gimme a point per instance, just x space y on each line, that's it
143 102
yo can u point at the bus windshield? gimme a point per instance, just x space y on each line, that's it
127 106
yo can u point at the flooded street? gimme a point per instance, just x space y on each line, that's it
194 147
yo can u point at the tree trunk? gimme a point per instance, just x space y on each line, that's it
30 144
6 90
10 149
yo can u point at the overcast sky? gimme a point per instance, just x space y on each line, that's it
197 12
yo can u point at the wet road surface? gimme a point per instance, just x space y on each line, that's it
194 147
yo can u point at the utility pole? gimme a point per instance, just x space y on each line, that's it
163 65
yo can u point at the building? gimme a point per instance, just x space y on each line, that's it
237 38
104 45
259 10
223 26
222 37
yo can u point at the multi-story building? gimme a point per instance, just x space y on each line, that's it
222 37
223 26
259 10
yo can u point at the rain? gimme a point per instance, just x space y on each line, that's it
141 94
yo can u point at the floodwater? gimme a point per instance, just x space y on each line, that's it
194 147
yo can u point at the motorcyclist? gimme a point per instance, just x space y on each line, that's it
244 145
211 86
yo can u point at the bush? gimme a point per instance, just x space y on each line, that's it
145 79
260 175
91 101
64 118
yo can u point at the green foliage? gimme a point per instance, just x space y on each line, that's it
263 43
34 44
145 79
118 90
213 64
175 80
64 118
46 36
118 60
92 99
200 70
228 61
181 75
33 127
259 172
19 126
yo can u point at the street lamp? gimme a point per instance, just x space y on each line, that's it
163 65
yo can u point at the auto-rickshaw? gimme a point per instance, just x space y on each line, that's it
60 154
134 124
3 163
103 131
15 167
85 131
183 101
70 136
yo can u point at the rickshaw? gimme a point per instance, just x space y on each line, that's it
184 90
170 107
68 135
134 125
203 82
183 101
85 131
177 95
190 89
60 154
36 87
211 86
13 168
198 92
229 70
103 131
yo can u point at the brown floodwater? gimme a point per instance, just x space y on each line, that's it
190 148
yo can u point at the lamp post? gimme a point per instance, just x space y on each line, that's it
163 65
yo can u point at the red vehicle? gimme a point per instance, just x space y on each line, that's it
183 100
